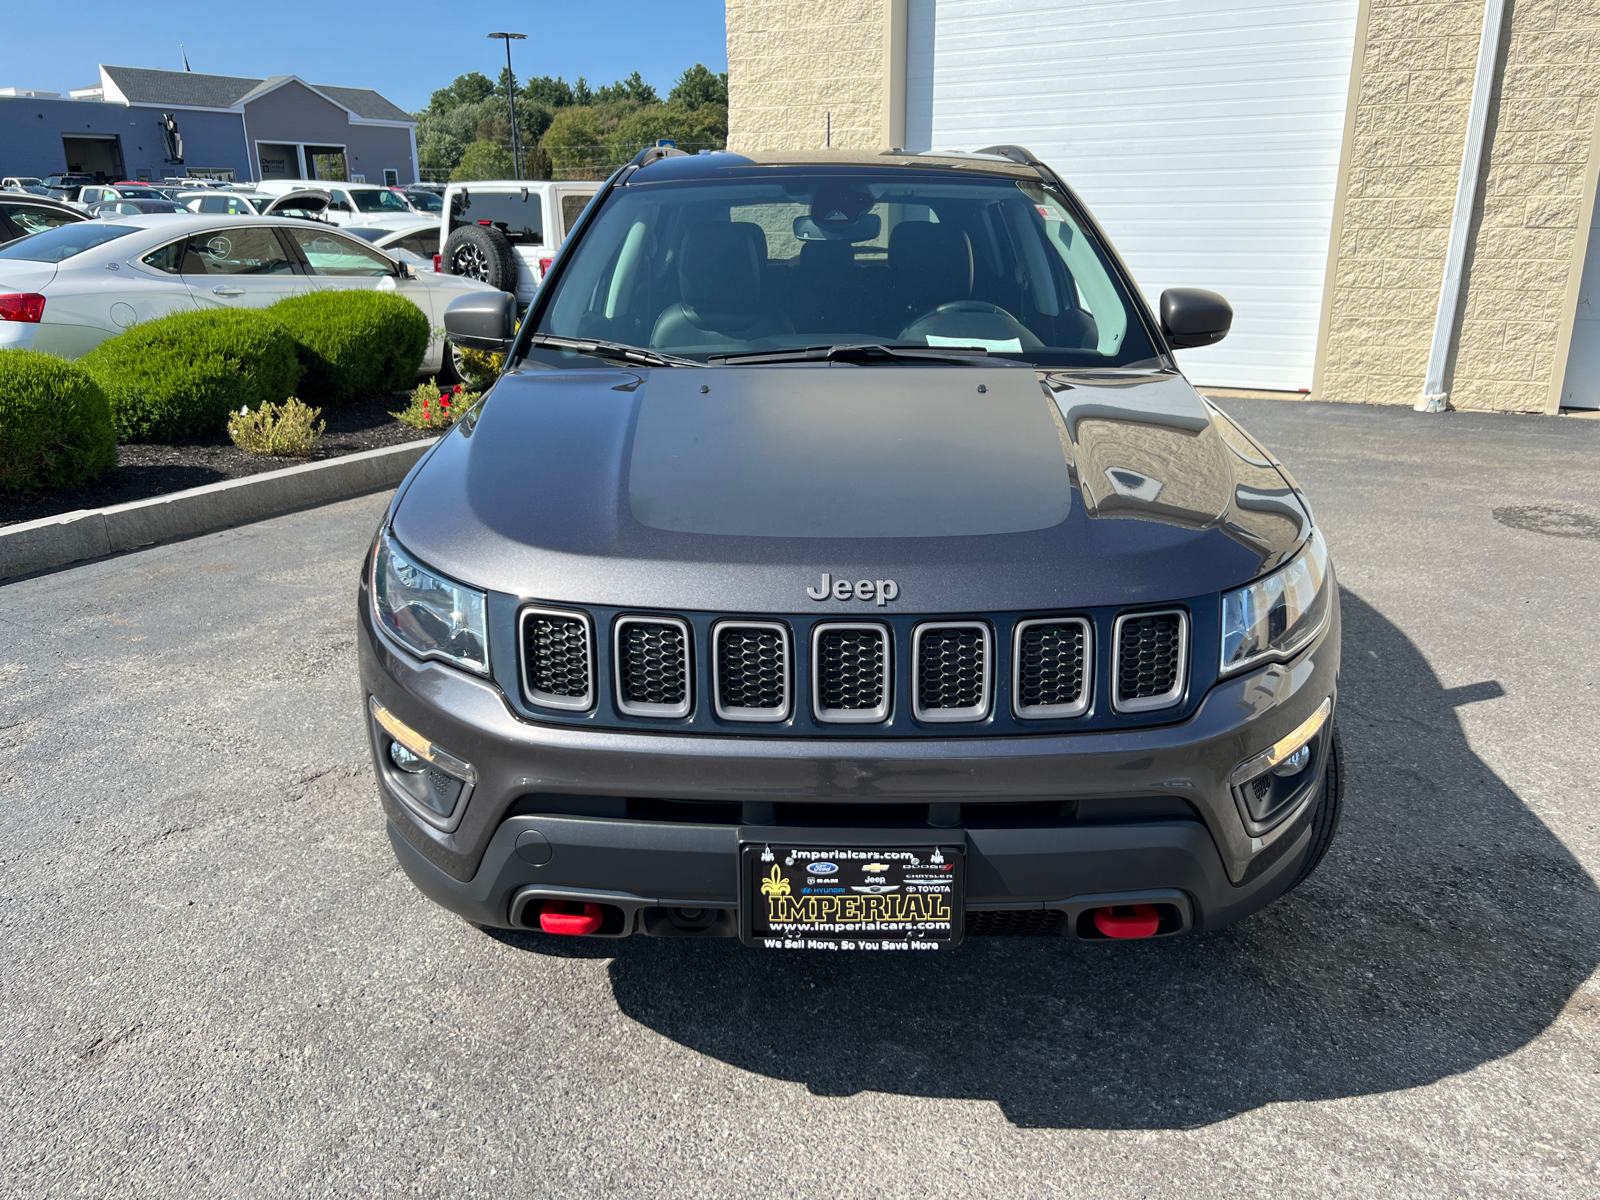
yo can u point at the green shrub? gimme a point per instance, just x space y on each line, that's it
288 430
181 375
355 343
55 424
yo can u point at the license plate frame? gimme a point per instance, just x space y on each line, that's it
879 897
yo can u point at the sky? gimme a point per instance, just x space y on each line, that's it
402 48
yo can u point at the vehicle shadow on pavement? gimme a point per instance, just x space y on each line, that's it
1448 927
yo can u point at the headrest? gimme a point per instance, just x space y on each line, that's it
932 262
720 275
827 256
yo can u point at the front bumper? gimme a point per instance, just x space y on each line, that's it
1159 817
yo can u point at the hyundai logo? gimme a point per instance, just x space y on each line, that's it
822 868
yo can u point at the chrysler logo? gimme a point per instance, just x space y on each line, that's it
880 590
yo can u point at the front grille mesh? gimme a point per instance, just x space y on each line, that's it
850 669
1016 922
752 670
556 649
651 664
1149 656
950 668
1050 665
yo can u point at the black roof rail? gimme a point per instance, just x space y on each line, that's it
1017 154
652 154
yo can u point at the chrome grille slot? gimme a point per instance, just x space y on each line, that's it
850 672
557 658
1151 653
1050 667
652 663
750 662
950 671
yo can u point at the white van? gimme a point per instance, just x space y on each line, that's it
505 232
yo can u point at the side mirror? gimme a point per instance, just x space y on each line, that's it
1194 317
482 321
405 269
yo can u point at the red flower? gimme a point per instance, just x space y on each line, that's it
456 391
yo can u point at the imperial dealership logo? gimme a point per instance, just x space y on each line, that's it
879 590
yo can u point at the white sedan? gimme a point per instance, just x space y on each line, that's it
66 290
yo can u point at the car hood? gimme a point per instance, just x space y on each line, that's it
975 488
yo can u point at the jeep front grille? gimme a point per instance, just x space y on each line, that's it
950 668
652 655
1151 652
557 658
751 664
850 672
1050 667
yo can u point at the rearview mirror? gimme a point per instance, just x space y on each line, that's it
1194 317
863 229
482 321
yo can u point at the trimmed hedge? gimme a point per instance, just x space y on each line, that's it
55 424
181 375
355 343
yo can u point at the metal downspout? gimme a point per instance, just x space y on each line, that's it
1434 398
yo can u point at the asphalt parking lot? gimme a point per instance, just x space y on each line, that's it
216 982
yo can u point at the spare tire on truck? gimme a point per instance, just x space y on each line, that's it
483 253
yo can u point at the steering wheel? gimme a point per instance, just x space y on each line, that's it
1000 324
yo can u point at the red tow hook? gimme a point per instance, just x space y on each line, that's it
1127 920
570 917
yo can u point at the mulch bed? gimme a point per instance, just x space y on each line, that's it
143 471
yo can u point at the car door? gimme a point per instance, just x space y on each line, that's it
239 266
339 262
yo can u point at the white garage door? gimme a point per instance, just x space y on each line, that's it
1203 134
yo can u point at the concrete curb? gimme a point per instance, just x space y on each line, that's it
91 533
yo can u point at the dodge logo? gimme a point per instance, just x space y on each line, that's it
880 590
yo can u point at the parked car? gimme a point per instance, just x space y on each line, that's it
419 237
66 188
135 208
105 193
23 213
421 199
67 301
506 232
306 203
24 183
349 203
843 562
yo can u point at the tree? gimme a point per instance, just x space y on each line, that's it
551 93
467 89
483 160
698 86
581 93
632 88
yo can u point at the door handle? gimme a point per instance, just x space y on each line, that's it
227 291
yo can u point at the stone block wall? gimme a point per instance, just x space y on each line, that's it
1405 139
791 64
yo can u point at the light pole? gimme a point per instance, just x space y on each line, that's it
511 99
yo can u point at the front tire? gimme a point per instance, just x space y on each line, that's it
449 373
1325 822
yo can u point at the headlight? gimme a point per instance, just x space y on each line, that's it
1276 616
429 615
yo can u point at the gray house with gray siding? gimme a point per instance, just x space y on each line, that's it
227 125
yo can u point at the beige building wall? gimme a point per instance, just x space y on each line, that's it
1411 88
792 64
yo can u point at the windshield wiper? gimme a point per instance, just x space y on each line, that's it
620 350
856 352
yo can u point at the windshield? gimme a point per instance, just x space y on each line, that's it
380 200
426 201
57 245
895 257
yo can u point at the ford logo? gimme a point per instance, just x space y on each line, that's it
822 868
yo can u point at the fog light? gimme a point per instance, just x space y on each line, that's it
433 783
1294 764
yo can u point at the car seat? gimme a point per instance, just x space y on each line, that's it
720 267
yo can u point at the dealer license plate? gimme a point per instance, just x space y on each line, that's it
879 898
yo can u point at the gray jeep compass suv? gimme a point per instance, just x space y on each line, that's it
842 562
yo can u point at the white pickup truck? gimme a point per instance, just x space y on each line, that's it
505 232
